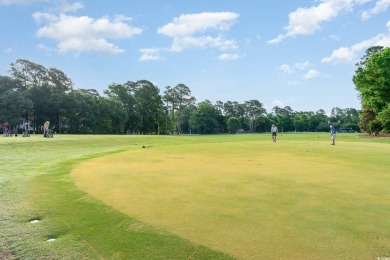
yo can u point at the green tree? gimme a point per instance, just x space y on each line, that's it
263 124
369 52
372 79
59 84
230 109
148 106
112 116
301 121
233 124
205 119
284 118
176 100
124 93
10 90
14 102
375 126
384 117
367 115
42 105
46 87
29 73
348 117
254 110
186 117
58 81
320 121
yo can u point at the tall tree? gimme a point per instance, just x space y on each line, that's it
254 109
284 117
369 52
14 102
59 81
233 124
320 121
367 116
384 117
29 73
177 99
301 121
124 93
230 109
205 119
149 106
373 80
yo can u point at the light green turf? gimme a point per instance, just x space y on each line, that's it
239 195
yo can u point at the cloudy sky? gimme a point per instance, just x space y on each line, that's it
300 54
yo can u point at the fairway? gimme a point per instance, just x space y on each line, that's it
253 199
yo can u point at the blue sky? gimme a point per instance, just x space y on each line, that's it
300 54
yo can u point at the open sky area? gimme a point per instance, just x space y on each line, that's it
300 54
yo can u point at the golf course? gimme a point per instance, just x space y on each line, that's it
195 197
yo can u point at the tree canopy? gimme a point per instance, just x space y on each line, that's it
34 94
372 80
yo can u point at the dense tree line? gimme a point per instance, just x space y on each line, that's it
372 80
34 94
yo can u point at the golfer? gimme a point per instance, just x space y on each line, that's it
46 129
332 135
274 131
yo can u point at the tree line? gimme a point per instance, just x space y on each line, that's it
34 94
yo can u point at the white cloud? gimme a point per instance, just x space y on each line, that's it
341 55
188 24
64 7
297 66
306 21
334 37
286 69
380 7
350 54
150 54
278 39
44 47
189 30
81 34
311 74
179 44
302 65
228 56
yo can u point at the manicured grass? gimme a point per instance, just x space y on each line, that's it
198 197
35 184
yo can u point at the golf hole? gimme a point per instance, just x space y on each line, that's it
51 239
35 220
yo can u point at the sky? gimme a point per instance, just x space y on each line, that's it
300 54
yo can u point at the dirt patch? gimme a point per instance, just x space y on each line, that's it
6 255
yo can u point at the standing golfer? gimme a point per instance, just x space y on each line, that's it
46 129
332 135
274 131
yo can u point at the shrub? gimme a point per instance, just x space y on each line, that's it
375 126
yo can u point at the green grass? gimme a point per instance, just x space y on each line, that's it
198 197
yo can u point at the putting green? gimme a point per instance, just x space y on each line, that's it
255 200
